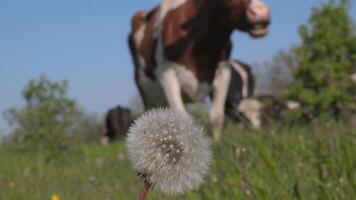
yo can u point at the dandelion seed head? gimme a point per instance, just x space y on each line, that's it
170 151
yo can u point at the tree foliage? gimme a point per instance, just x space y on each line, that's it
276 74
327 58
48 118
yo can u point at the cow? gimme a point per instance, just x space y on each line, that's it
242 104
117 123
241 87
181 51
262 110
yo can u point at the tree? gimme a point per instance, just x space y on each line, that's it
48 118
326 59
277 72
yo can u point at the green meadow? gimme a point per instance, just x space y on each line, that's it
316 161
52 150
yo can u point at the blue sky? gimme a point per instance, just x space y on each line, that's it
84 42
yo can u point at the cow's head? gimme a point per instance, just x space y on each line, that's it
252 16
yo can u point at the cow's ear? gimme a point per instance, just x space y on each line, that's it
176 23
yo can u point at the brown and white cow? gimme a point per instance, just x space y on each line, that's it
181 50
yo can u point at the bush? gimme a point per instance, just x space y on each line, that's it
48 119
326 59
87 128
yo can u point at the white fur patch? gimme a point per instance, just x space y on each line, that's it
195 90
353 77
172 88
251 109
244 77
139 35
291 105
256 2
168 5
138 38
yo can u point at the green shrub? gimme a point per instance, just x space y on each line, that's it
326 58
47 121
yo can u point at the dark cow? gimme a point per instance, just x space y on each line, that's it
240 102
181 50
117 123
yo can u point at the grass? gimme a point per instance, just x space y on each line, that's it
299 162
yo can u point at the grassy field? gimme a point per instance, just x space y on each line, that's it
308 162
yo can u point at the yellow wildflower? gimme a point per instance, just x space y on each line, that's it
12 184
55 197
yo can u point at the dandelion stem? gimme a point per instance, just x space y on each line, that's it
144 191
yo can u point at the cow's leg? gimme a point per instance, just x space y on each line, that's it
220 88
172 88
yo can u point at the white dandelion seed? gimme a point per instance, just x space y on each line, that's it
172 134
